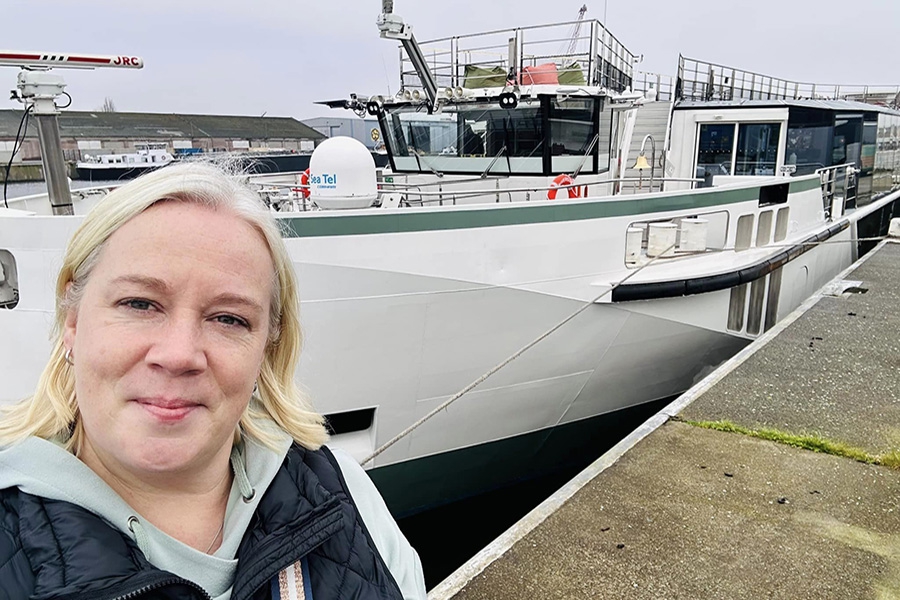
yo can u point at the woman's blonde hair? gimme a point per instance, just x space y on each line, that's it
52 412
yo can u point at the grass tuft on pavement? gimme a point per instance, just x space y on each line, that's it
814 443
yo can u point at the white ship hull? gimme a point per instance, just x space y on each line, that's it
404 307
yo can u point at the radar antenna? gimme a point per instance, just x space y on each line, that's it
38 90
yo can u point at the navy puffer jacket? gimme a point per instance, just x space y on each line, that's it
54 549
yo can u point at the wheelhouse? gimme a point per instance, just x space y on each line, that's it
531 101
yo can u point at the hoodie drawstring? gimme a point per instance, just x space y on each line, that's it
140 536
240 476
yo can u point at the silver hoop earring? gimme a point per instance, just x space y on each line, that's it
68 356
255 391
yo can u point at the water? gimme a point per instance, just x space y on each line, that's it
447 537
29 188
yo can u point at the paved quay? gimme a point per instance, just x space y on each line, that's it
681 511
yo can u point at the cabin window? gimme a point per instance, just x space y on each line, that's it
9 280
716 149
737 149
887 157
870 138
847 139
757 149
808 140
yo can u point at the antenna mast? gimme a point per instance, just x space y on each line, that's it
392 27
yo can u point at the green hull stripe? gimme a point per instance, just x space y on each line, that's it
805 185
329 224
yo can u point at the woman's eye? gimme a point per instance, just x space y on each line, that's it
137 304
231 320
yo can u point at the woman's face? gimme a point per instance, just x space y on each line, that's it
169 337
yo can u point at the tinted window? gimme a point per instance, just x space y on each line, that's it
808 141
715 150
847 144
572 130
757 149
473 138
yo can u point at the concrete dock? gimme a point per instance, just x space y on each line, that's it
680 510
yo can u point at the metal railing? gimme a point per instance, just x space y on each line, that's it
285 197
701 80
662 85
600 58
288 197
839 188
415 195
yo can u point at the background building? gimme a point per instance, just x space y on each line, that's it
365 130
100 132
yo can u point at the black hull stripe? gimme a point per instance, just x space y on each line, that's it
722 281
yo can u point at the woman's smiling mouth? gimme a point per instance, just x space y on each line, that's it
168 409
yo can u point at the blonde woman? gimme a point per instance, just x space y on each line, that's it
167 452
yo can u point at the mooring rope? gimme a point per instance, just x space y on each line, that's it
550 331
508 360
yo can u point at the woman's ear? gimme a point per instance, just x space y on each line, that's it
71 321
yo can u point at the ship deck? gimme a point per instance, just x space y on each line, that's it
681 510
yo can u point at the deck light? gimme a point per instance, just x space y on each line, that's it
375 105
509 100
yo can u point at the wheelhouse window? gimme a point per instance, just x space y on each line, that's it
469 138
539 137
573 128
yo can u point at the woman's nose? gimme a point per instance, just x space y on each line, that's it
177 346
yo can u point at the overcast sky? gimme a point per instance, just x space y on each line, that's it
249 57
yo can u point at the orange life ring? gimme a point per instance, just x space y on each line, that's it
304 183
562 180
